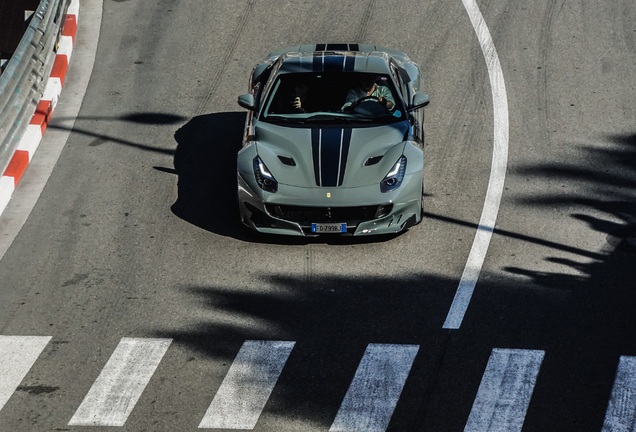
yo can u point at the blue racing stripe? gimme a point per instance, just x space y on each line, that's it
337 47
334 63
349 63
344 153
318 62
330 150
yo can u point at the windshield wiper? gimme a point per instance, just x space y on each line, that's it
337 119
276 119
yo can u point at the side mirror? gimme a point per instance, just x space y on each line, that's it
247 101
419 100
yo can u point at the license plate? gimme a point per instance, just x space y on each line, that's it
328 228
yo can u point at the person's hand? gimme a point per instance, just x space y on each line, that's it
297 104
387 103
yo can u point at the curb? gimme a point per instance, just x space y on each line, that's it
37 126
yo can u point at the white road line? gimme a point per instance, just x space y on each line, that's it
248 384
375 389
621 411
118 387
497 171
17 355
505 391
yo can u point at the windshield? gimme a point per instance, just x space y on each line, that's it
355 98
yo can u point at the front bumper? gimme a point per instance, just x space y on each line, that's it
365 210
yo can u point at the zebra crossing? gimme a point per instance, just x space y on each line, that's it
17 355
118 387
505 391
247 385
501 402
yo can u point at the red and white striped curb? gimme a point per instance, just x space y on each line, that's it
37 126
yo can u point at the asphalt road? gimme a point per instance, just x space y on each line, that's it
132 256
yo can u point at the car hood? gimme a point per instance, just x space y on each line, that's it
328 156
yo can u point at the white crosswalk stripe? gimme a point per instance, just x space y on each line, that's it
621 411
17 355
118 387
375 389
247 386
505 391
500 405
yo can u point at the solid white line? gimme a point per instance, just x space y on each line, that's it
505 391
375 389
621 411
118 387
497 171
17 355
248 384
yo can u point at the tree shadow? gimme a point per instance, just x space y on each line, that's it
142 118
584 322
611 174
590 321
331 319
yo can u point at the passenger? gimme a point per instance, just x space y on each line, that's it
299 98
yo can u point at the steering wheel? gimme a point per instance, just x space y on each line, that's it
374 110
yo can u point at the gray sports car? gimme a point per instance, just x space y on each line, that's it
333 142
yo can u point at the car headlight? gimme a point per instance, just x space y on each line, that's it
264 178
394 178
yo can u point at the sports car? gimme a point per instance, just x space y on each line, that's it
333 142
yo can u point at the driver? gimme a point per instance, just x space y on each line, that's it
369 87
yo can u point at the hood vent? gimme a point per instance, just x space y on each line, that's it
287 160
373 160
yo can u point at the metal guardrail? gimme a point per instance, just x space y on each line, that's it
24 78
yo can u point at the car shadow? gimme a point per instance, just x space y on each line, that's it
205 163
